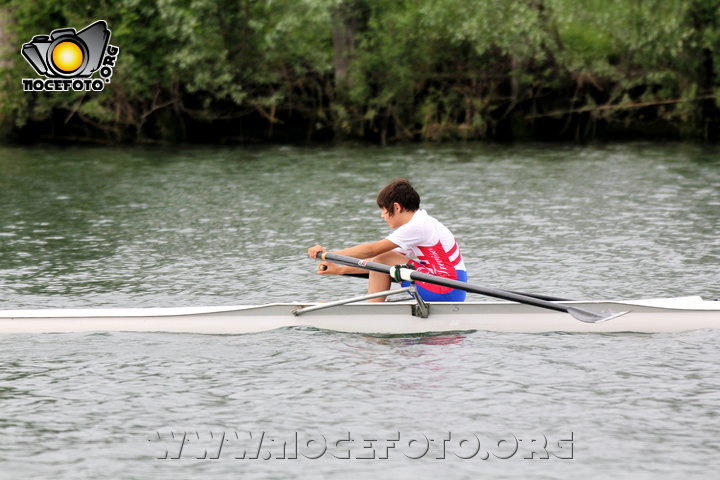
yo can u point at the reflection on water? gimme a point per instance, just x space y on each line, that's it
423 339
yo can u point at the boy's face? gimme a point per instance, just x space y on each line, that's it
393 221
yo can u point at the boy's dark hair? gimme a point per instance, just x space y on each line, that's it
401 191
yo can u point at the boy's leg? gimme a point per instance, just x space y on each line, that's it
378 282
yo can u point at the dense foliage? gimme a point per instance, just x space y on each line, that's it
378 70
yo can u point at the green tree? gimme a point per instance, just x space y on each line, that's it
378 70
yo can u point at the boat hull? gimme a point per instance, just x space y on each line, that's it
660 315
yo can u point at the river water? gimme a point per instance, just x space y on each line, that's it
217 226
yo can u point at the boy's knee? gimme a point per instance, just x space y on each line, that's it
390 258
383 257
378 258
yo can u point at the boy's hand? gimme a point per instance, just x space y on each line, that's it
329 268
313 251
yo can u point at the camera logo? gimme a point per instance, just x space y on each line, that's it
68 59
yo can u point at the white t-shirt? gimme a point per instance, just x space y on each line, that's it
431 243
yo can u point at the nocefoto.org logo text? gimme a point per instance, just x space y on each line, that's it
67 59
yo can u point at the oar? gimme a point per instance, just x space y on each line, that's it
533 295
412 275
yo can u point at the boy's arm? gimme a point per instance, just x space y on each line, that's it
363 251
368 250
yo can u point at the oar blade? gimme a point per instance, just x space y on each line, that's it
588 316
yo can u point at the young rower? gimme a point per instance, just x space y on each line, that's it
417 239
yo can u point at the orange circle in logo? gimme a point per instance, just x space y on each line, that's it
67 56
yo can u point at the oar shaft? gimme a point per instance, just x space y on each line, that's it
580 314
445 282
492 292
533 295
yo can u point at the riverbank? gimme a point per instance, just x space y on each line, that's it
378 71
